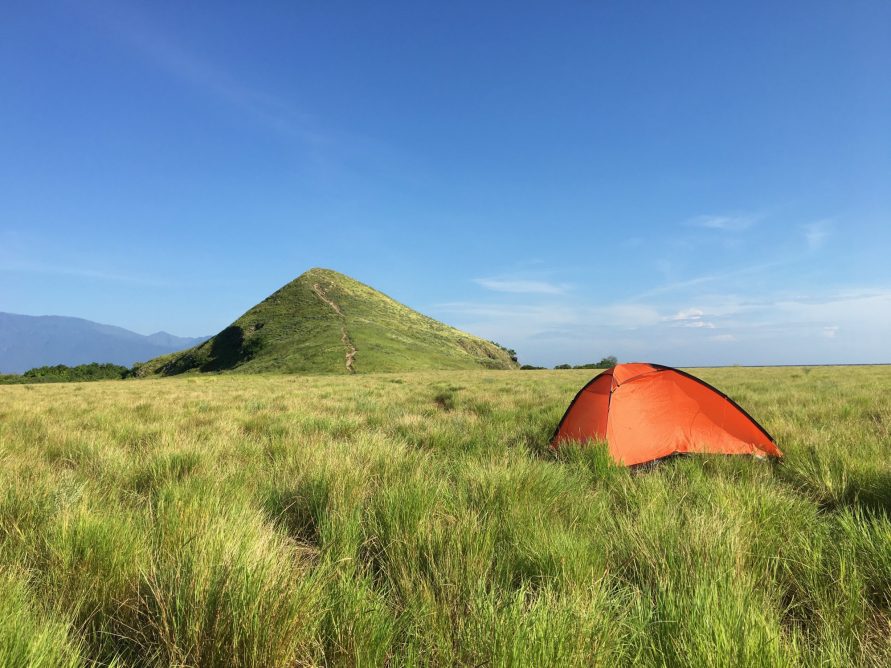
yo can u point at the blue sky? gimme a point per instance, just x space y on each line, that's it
685 183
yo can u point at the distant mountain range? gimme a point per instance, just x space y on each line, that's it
28 341
326 322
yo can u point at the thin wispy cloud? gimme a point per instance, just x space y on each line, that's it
815 234
540 312
869 310
676 286
521 286
535 317
135 30
81 272
725 222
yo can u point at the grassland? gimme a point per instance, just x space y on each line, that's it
414 519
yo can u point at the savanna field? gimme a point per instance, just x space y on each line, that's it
420 519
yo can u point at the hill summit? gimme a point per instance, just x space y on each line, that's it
325 322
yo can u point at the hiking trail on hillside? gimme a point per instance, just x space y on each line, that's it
317 323
344 337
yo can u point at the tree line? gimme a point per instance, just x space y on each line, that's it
605 363
61 373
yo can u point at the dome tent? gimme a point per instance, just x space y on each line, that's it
648 411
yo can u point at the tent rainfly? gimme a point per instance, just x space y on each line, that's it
647 411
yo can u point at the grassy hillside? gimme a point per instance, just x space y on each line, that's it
325 322
420 519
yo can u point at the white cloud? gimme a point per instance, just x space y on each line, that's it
830 331
691 317
727 223
687 314
521 286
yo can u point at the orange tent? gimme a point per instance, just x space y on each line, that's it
648 411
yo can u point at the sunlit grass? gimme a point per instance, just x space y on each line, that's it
420 519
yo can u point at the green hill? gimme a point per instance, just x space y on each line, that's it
325 322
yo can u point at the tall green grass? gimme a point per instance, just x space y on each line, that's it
420 519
